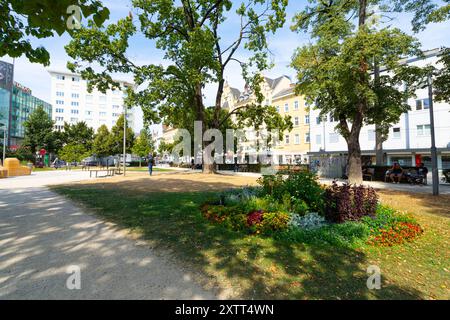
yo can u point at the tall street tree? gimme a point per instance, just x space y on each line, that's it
39 131
78 133
336 72
192 35
21 20
102 144
143 145
116 137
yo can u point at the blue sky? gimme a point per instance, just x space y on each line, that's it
143 51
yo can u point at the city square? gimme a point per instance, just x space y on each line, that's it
225 150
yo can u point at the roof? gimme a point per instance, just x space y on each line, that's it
236 92
274 82
69 73
283 93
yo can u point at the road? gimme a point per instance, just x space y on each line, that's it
42 235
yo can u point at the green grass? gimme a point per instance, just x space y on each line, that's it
264 268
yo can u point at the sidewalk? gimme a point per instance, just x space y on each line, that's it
443 188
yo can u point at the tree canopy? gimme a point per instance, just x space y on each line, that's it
22 19
102 145
144 144
39 131
336 72
191 36
116 137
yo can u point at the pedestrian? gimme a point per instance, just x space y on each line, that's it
150 163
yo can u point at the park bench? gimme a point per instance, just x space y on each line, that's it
110 172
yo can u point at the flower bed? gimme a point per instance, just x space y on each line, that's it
299 209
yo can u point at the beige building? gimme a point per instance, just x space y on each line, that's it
295 144
280 93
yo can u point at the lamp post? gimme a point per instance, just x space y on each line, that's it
124 138
4 144
434 171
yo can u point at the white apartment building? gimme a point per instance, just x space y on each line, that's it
409 140
73 103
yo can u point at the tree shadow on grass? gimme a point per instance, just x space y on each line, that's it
254 267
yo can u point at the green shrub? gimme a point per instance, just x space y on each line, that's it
274 221
344 235
301 186
386 217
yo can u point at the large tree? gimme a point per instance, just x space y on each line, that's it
191 34
102 145
39 131
336 73
78 133
74 152
22 19
143 145
117 137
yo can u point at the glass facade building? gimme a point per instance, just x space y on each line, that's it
16 105
23 104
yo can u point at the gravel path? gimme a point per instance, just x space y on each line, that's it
42 234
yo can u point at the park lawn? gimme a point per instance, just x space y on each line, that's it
264 268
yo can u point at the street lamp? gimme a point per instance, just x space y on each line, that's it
434 171
4 144
124 138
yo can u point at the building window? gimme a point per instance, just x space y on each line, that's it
89 97
297 138
102 114
73 111
371 134
334 138
286 140
307 119
318 120
59 119
75 95
296 105
318 139
75 104
278 108
423 130
115 115
88 112
115 106
331 118
397 134
75 79
422 104
307 137
59 110
102 99
73 119
60 102
60 94
60 77
286 107
296 121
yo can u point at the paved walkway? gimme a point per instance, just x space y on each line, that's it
443 188
42 234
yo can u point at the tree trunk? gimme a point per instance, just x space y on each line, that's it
379 148
354 160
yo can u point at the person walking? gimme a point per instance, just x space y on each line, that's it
150 163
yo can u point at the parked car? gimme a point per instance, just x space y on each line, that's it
58 164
